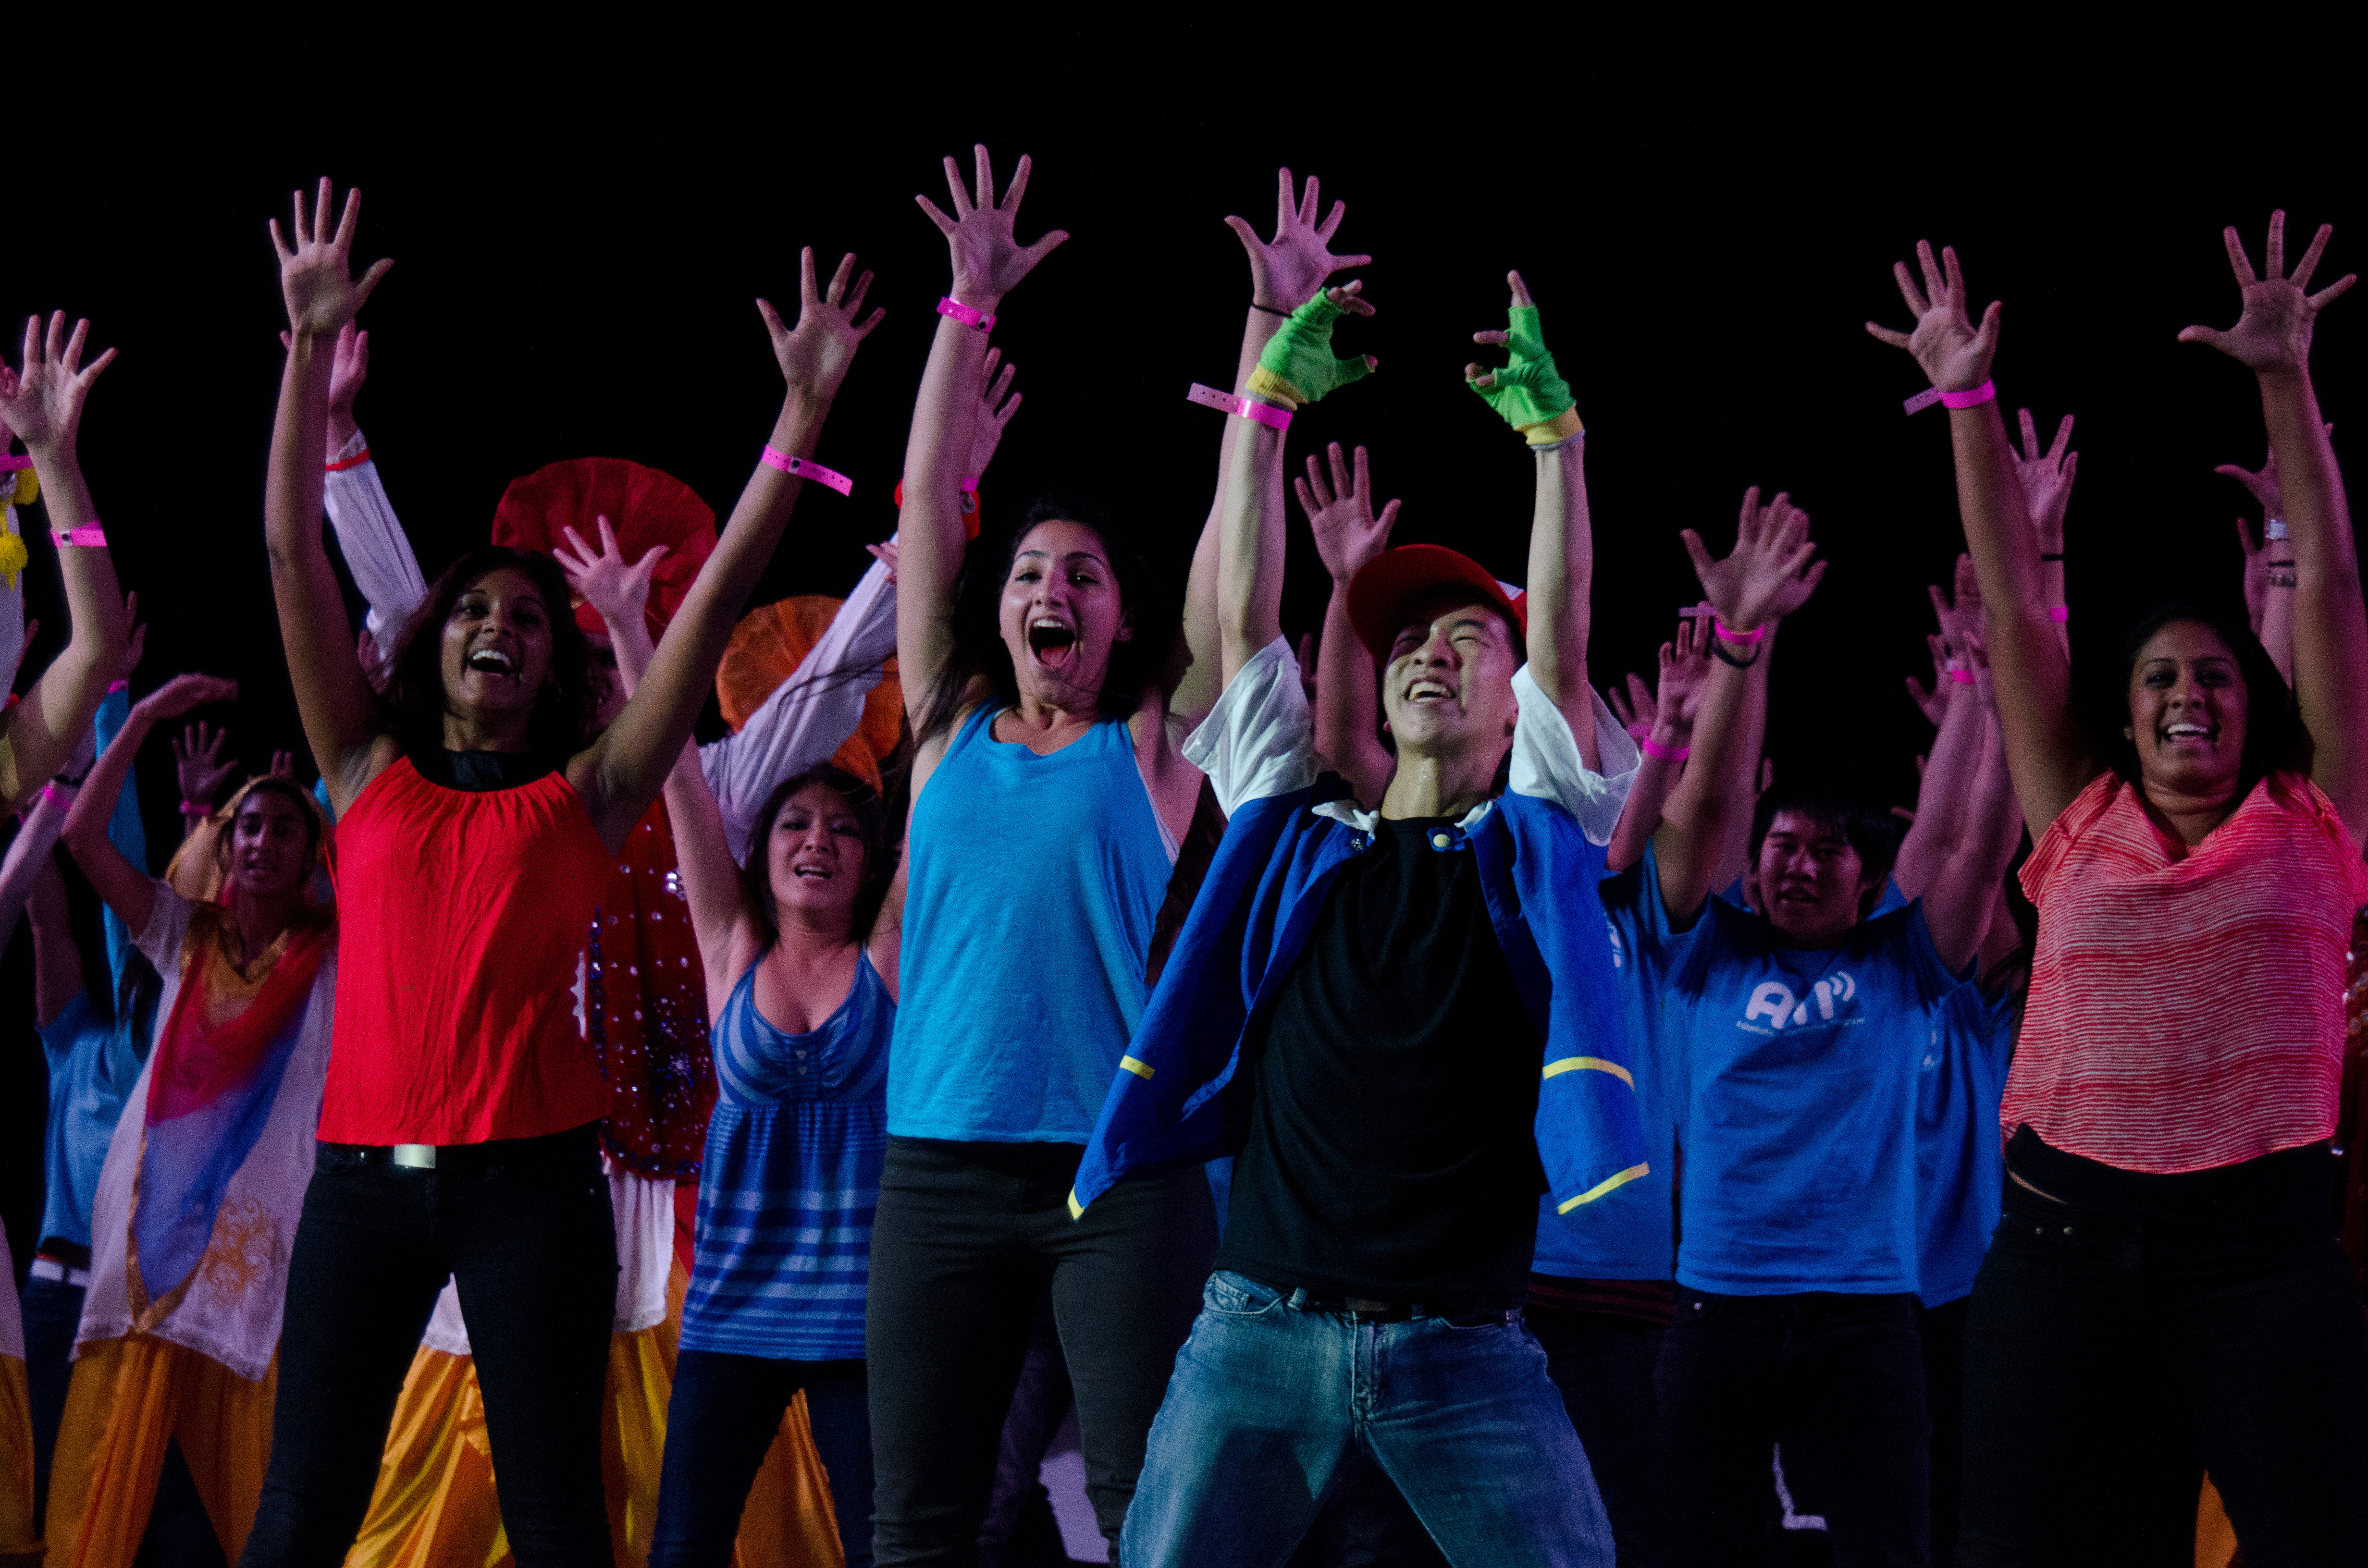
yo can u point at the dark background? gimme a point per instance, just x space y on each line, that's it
575 278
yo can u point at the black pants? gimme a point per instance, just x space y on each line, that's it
1839 1379
723 1417
1604 1366
2157 1327
525 1229
965 1235
52 1312
1943 1331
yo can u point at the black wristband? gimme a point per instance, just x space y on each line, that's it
1270 310
2044 556
1718 650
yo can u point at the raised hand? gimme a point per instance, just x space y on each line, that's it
986 431
197 760
616 587
41 402
1685 668
988 259
2046 479
1526 391
1286 271
348 369
2272 331
1634 703
814 354
1933 700
1297 366
1771 549
283 764
1954 353
1341 513
316 271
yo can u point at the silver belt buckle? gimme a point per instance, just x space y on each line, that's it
416 1156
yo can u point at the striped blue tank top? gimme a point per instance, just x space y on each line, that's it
790 1178
1033 887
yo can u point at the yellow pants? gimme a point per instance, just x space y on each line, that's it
17 1541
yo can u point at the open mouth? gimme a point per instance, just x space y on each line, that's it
1429 691
812 873
492 661
2184 731
1050 641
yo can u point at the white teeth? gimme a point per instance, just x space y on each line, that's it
490 659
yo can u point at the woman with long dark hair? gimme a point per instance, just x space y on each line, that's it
477 823
2164 1294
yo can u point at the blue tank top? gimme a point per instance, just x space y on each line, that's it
791 1179
1031 888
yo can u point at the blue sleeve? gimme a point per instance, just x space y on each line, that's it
1932 979
321 793
1639 891
59 1035
1891 898
124 829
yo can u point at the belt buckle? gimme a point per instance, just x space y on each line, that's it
415 1156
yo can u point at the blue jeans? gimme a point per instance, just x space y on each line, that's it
1273 1394
723 1417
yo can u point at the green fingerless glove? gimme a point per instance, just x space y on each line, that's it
1297 366
1529 393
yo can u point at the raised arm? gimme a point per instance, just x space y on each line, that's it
124 886
1768 573
29 854
1964 892
2051 758
989 263
1666 742
1532 396
42 403
1940 799
2046 475
339 712
1339 507
620 773
2312 609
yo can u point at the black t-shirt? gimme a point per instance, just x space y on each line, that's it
1390 1153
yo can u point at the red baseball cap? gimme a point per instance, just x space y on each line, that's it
1387 587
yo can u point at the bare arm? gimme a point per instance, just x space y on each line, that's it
126 887
338 709
2271 338
1337 497
1250 544
989 262
1941 799
2049 756
1963 892
621 771
29 853
42 403
1768 569
2047 477
1685 669
711 881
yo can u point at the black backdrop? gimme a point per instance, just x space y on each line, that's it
577 279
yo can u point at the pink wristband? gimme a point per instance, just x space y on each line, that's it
1962 678
191 808
2059 614
1748 639
55 794
115 685
806 468
89 536
950 306
1265 414
1930 395
1667 754
11 465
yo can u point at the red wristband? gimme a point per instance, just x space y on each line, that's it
344 463
950 306
1667 754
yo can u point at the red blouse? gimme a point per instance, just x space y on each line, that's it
2186 1006
463 913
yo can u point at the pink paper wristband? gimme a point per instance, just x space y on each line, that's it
89 536
1962 678
2059 614
1748 639
1930 395
192 808
950 306
57 794
1667 754
115 685
806 468
1265 414
12 465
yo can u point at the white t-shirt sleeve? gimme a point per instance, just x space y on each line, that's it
169 924
809 716
377 551
1260 740
1545 762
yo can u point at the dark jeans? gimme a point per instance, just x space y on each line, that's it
525 1229
1943 1331
722 1418
52 1312
1604 1366
965 1235
1021 1527
1839 1379
2159 1326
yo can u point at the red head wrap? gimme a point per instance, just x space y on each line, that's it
646 507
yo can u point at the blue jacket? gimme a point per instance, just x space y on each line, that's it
1181 1096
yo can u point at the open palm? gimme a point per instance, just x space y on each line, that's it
814 354
2272 331
316 271
1341 513
982 235
42 402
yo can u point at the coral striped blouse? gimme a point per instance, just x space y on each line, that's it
2186 1006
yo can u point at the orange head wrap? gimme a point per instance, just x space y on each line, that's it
764 650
